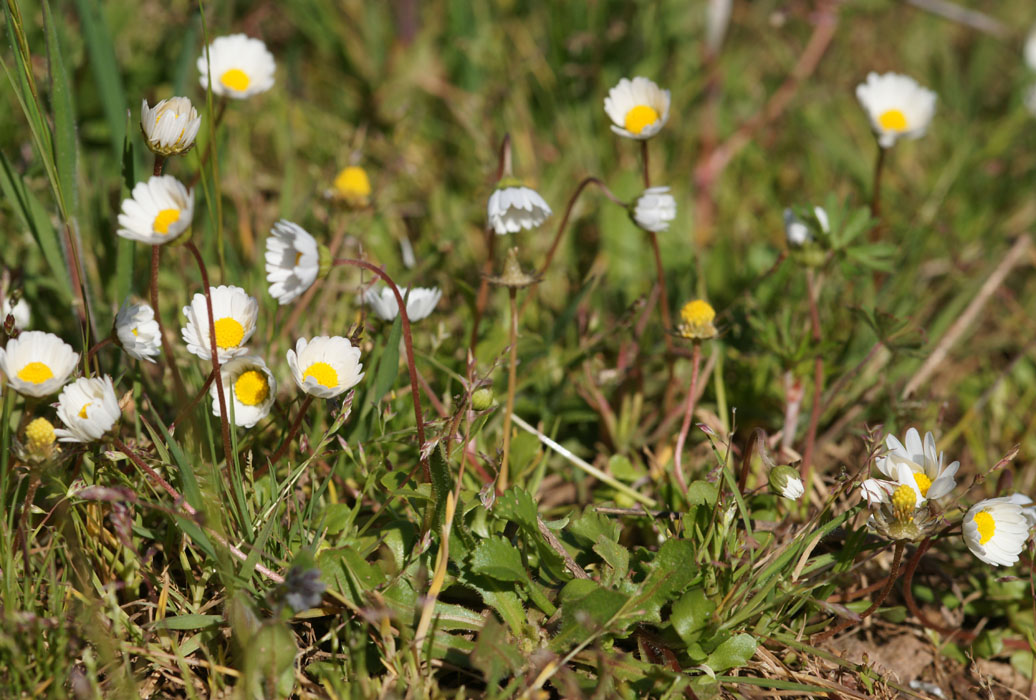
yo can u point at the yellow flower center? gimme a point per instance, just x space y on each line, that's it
298 256
251 388
640 117
923 483
353 182
35 373
904 501
323 373
697 312
986 526
893 120
235 79
229 333
134 332
39 434
82 411
165 219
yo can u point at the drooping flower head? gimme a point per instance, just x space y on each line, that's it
419 304
249 385
696 320
37 363
513 207
21 312
785 481
241 67
654 209
898 107
89 409
292 261
158 211
353 187
137 331
325 366
235 314
638 108
996 529
171 126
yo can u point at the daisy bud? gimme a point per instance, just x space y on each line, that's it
294 261
654 209
136 330
170 127
482 399
40 441
785 481
513 207
696 320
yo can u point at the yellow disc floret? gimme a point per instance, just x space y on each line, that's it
904 502
323 373
229 333
165 219
82 411
986 526
923 483
893 120
251 388
235 79
353 185
39 435
639 118
35 373
697 317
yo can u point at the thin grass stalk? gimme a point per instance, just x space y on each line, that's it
512 379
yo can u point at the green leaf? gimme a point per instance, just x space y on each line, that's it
616 556
691 614
188 622
701 493
496 654
517 506
672 569
586 607
105 68
388 367
501 598
732 653
591 525
499 559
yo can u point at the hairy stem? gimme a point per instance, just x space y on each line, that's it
688 412
512 377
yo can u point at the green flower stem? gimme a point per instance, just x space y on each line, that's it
667 322
512 378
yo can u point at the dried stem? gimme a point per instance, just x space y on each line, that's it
897 558
293 431
688 412
408 341
806 468
512 377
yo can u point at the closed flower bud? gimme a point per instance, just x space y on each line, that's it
785 481
171 126
482 399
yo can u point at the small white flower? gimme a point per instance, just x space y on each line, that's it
419 304
158 211
89 408
654 209
996 529
235 313
252 386
171 126
37 363
1030 50
292 261
898 107
798 232
241 66
514 207
931 478
793 489
638 108
325 366
138 332
20 312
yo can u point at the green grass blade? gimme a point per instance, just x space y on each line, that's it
101 51
65 152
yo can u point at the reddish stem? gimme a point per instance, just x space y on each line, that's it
193 402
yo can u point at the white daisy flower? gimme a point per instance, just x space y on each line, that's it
89 408
137 331
158 211
897 106
241 66
638 108
654 209
235 313
419 304
515 207
171 126
996 529
325 366
292 261
798 232
37 363
21 313
933 480
249 381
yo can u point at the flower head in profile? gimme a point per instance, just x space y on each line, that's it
89 409
137 331
799 232
513 207
419 303
924 469
352 186
996 529
235 314
654 209
158 211
20 311
241 66
638 108
37 363
171 126
898 107
325 366
293 261
248 389
696 320
785 481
